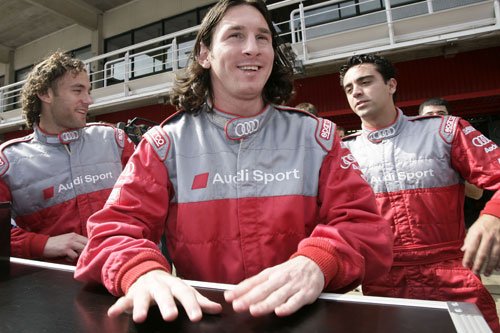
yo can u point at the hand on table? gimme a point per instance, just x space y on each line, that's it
482 245
68 245
282 289
161 288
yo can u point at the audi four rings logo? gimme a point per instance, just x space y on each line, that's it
480 141
382 134
246 127
69 136
347 161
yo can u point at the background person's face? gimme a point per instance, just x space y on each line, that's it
241 56
434 110
68 104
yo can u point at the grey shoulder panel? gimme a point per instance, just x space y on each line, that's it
159 140
4 163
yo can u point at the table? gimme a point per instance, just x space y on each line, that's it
42 297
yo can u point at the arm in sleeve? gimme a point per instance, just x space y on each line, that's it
23 244
477 159
123 236
352 243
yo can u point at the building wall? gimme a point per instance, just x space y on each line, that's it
119 20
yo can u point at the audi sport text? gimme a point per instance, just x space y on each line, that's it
85 179
256 175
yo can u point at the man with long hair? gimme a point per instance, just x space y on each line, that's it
245 191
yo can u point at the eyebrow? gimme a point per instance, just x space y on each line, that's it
79 85
240 27
361 78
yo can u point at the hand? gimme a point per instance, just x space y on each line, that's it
282 289
68 245
482 245
163 289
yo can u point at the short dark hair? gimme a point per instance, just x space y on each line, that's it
383 66
193 87
434 101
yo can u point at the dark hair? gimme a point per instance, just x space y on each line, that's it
434 101
307 107
193 87
383 66
42 77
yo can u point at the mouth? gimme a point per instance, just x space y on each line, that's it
249 68
361 103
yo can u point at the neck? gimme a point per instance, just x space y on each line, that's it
380 121
240 108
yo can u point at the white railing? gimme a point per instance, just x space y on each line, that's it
318 33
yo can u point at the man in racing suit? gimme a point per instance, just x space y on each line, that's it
417 168
63 172
245 192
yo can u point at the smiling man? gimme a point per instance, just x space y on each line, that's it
63 172
245 192
417 167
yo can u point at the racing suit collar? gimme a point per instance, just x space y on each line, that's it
381 134
65 137
236 127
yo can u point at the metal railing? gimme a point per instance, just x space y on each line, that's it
318 33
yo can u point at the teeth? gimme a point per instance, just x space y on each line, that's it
249 68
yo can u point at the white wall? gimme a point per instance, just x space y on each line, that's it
121 19
69 38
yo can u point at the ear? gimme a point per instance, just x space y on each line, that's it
392 83
203 58
46 97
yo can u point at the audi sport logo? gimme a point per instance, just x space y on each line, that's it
246 128
381 134
326 129
69 136
480 141
348 161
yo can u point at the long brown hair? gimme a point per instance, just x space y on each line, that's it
193 87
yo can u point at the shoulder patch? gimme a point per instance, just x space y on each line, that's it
4 163
448 128
120 137
159 140
325 133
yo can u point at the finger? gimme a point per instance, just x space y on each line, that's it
470 247
141 304
207 305
272 301
123 304
166 303
71 255
493 260
294 303
246 285
261 296
481 255
186 296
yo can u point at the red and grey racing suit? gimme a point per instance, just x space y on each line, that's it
235 195
55 182
417 168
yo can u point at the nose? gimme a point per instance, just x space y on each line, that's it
251 46
356 90
87 99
